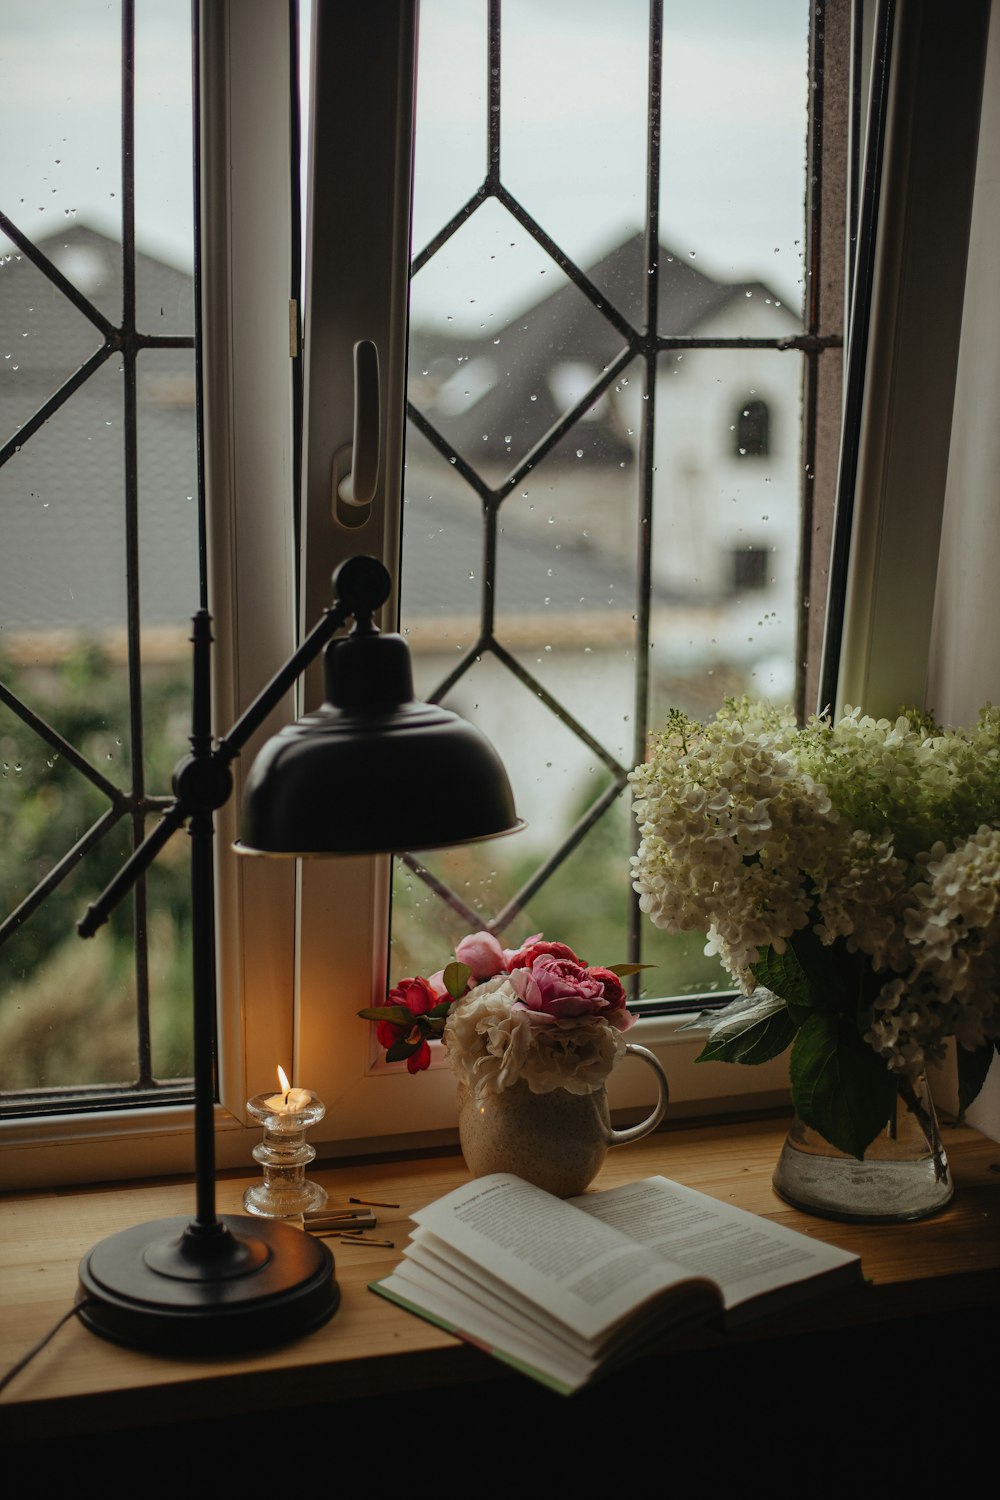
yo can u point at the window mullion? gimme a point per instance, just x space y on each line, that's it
247 246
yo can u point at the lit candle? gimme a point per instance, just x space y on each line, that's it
290 1100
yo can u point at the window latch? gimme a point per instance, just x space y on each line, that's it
356 466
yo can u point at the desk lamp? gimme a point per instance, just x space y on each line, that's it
230 1283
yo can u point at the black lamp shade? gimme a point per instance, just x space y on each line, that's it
373 770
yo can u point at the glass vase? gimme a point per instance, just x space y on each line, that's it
902 1176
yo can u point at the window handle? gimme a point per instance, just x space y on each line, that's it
356 466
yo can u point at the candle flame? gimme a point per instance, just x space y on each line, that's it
283 1081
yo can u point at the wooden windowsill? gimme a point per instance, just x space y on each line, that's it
81 1384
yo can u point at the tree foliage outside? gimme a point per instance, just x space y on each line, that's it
68 1006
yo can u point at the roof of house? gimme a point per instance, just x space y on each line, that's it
495 397
62 506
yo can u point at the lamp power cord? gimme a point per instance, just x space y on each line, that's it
25 1359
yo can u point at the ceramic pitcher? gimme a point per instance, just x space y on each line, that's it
556 1140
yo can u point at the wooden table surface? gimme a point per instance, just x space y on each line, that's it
81 1383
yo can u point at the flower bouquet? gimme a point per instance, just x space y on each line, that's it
538 1013
531 1035
848 876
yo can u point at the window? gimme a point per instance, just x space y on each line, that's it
313 947
356 286
749 568
753 429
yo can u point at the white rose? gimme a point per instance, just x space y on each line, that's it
487 1039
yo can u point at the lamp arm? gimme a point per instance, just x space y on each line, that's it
230 745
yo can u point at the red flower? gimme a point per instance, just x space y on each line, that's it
525 957
417 996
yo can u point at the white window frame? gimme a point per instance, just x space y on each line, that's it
301 951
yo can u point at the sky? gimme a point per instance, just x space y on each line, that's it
574 128
59 119
573 145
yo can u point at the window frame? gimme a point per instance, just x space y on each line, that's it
300 951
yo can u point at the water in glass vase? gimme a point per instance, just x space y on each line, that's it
903 1175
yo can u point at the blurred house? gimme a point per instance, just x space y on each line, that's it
725 525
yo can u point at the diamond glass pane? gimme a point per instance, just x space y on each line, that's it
733 160
62 521
451 141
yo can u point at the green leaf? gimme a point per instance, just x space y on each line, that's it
400 1051
783 975
399 1015
705 1019
437 1013
840 1086
622 969
972 1070
815 976
456 979
751 1030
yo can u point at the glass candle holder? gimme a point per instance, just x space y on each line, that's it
284 1154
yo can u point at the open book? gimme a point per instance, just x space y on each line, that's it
565 1290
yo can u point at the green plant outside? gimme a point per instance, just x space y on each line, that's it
67 1006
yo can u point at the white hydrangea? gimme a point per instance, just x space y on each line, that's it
752 829
952 926
727 824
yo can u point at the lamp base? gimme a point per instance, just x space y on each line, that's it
172 1287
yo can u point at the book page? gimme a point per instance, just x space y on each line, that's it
424 1293
583 1272
465 1276
748 1256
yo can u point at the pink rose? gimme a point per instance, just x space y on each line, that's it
559 987
483 954
523 958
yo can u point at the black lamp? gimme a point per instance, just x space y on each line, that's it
230 1283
